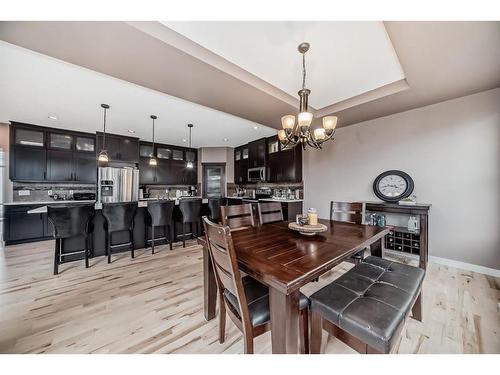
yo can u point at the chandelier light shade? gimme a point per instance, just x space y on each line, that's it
152 159
103 159
189 163
294 133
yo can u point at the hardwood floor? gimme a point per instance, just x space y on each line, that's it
154 304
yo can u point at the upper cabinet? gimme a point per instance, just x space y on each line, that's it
41 154
282 165
171 168
119 148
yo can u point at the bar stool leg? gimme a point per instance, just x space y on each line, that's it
183 234
108 246
56 257
131 236
170 236
152 239
146 236
86 251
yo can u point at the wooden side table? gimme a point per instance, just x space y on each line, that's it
420 209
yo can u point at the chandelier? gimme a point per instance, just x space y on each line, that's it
294 133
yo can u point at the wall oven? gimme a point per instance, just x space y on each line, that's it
257 174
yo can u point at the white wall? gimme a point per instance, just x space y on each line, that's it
451 150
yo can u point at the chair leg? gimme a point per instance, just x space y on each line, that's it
56 256
86 252
304 329
183 234
152 239
222 320
316 333
131 236
416 310
248 342
108 246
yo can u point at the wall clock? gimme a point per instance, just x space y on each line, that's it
392 186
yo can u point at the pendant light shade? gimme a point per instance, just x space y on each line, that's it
152 160
189 163
102 159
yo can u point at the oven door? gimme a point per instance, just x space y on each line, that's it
256 174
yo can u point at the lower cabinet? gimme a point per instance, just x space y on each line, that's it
19 226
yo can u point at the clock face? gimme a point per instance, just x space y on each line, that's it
392 185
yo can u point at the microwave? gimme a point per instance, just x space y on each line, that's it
257 174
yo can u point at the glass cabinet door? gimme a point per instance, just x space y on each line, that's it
178 155
190 156
85 144
146 151
244 153
28 137
273 147
60 141
163 153
237 155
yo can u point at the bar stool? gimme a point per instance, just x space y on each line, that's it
191 209
119 217
214 205
159 215
68 222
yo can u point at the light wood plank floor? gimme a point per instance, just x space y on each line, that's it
154 304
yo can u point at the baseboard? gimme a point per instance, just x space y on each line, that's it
465 266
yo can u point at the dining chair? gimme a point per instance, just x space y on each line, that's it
237 217
270 212
246 299
350 212
70 222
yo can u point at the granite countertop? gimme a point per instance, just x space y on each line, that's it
45 202
281 200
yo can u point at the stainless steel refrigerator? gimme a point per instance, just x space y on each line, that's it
118 184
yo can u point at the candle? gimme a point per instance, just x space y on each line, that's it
312 215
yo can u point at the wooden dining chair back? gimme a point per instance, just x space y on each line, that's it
237 217
228 277
350 212
270 212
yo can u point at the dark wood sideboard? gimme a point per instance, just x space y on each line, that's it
420 209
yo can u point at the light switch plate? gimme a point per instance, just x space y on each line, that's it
23 193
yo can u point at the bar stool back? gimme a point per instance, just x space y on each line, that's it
68 222
191 209
214 205
159 215
119 217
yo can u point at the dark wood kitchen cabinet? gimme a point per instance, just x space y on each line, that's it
283 165
27 163
119 148
19 226
257 153
241 164
40 154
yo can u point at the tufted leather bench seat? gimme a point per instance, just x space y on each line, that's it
368 304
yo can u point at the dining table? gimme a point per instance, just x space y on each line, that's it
286 260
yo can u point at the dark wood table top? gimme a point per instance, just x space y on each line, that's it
286 260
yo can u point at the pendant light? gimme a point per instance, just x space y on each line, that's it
152 160
189 164
103 159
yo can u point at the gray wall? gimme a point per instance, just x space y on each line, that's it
452 151
4 145
222 155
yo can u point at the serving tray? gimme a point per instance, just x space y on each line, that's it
308 230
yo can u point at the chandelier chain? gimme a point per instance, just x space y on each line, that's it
303 71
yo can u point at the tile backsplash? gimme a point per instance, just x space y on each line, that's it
231 187
39 192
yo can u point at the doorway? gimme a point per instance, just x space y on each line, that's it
214 180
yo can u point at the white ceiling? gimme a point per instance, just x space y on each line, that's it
35 86
346 59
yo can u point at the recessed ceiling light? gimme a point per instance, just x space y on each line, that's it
184 140
53 117
131 131
225 139
256 127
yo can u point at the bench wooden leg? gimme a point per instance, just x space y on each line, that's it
416 310
316 333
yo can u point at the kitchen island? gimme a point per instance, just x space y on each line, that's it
38 211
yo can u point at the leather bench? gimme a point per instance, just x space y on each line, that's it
367 306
